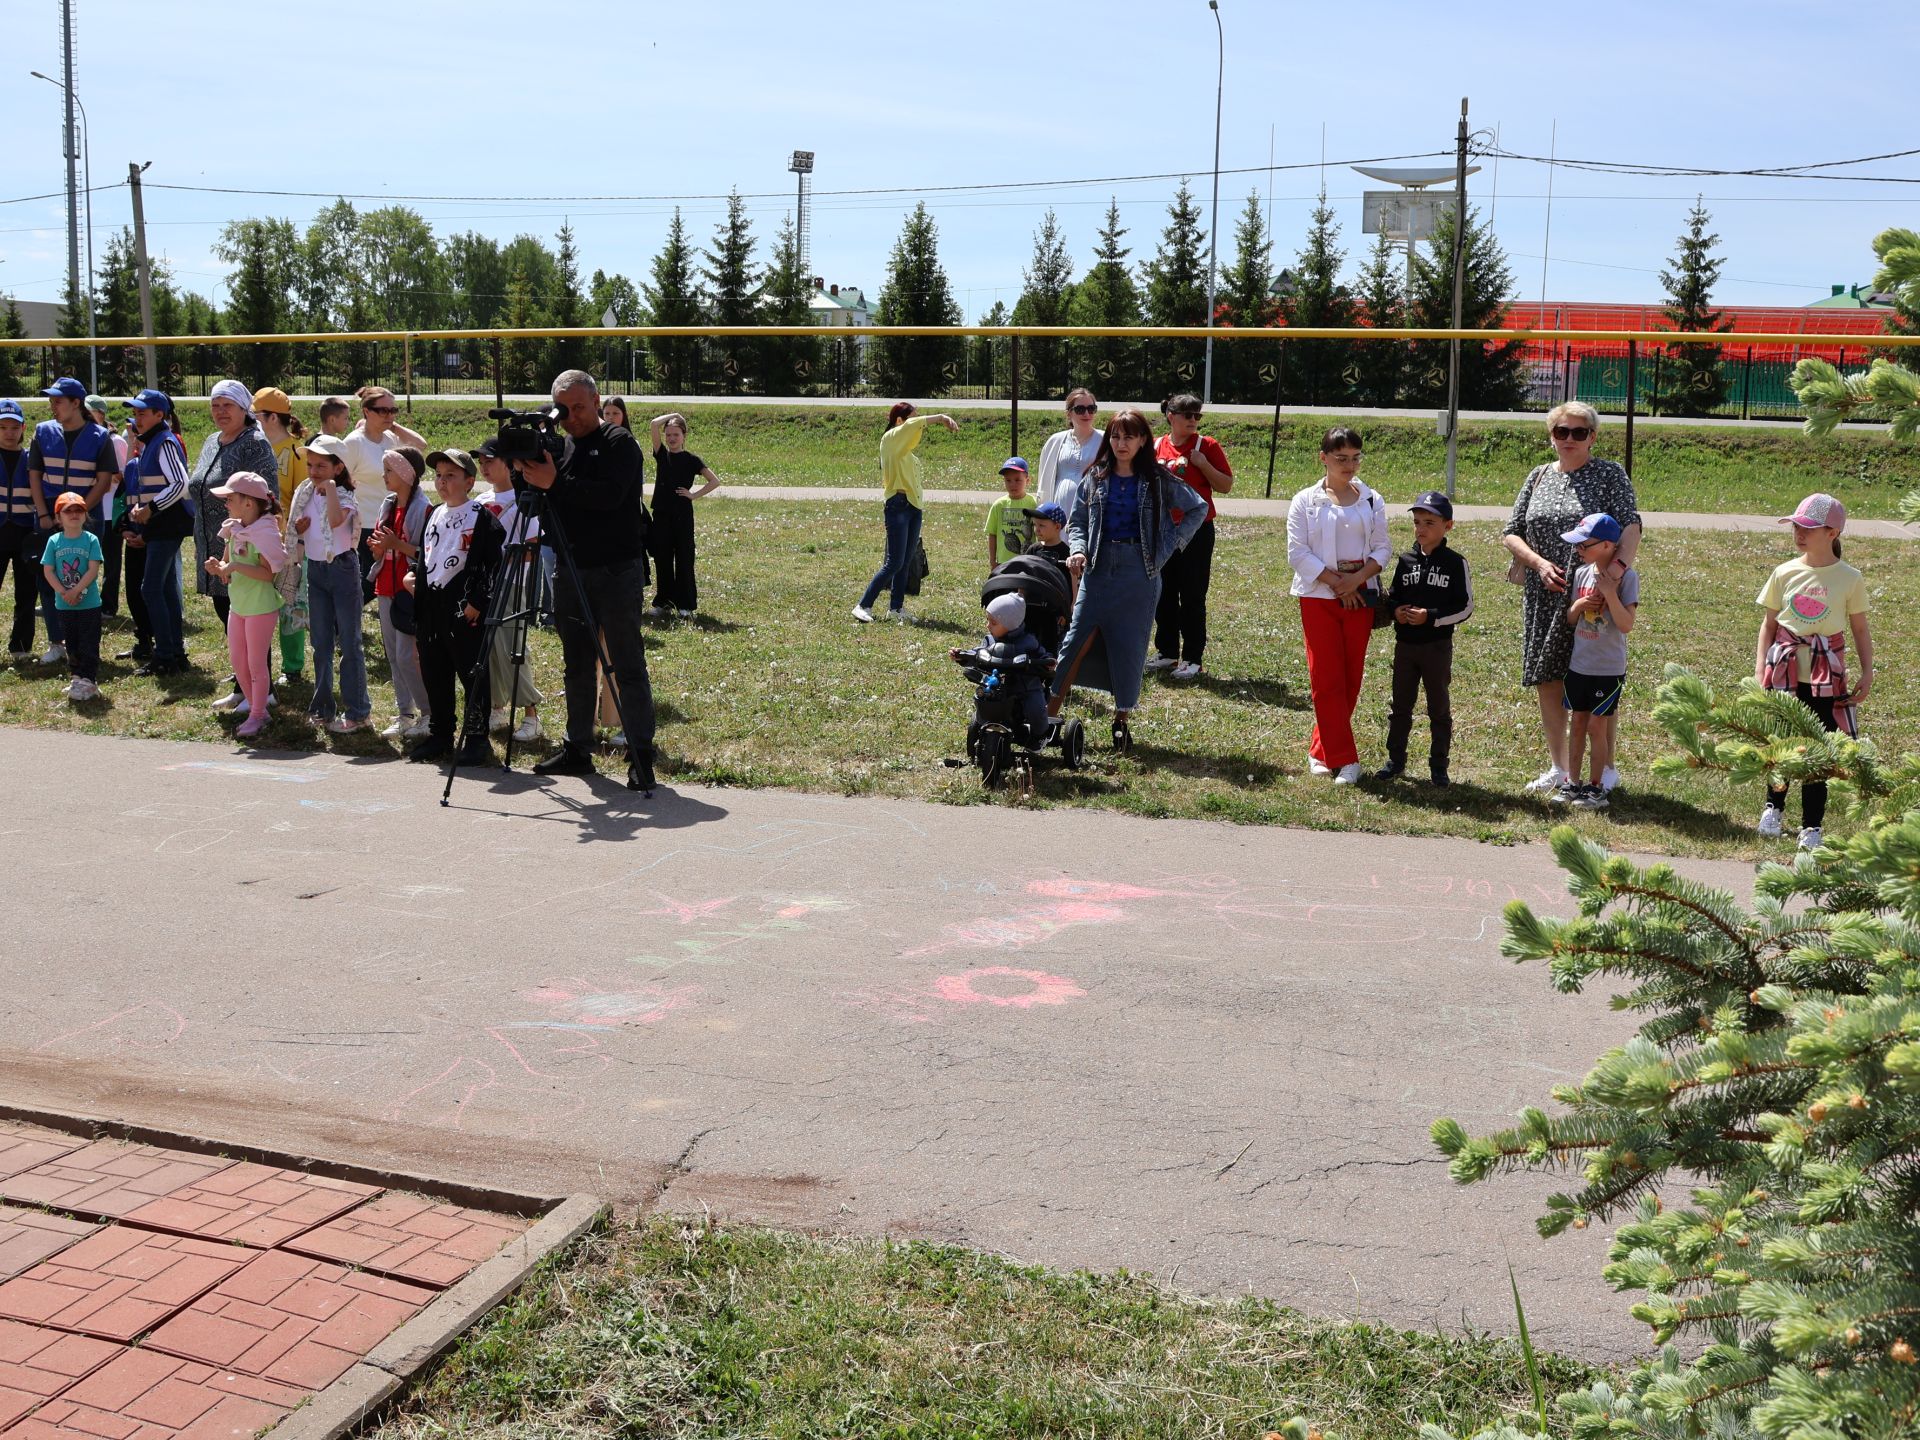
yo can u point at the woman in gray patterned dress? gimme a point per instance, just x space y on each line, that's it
237 443
1552 501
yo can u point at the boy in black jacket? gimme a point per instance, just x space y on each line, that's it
1431 594
451 583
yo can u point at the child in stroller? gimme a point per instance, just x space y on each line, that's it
1012 671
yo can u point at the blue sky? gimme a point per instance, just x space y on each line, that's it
648 99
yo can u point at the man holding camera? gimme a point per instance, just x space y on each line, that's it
594 497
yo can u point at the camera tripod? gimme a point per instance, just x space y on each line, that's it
514 601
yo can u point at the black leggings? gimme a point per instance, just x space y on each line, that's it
1813 794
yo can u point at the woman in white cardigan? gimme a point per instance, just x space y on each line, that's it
1337 545
1067 453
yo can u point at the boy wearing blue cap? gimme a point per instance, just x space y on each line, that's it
1009 532
1601 614
1431 593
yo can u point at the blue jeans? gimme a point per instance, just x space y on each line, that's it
160 588
903 529
333 615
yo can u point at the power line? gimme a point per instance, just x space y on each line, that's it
1775 172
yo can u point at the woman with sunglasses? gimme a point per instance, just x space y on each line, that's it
1067 453
1552 501
1130 518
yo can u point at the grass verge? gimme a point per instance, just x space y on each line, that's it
1760 470
684 1328
774 685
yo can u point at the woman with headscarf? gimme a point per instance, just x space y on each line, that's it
236 444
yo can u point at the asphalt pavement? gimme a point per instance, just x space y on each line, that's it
1081 1039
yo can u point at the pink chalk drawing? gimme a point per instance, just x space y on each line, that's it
684 914
798 907
1021 929
1064 889
1047 989
576 1001
149 1025
901 1005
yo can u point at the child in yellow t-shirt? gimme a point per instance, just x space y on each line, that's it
1812 602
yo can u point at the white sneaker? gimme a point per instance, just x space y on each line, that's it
1349 775
499 718
1551 779
75 688
862 614
1609 779
1161 662
55 654
658 612
89 690
688 614
398 729
1187 671
343 726
1318 767
1770 825
229 703
419 727
528 730
1810 837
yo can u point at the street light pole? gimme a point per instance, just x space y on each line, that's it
1213 230
86 143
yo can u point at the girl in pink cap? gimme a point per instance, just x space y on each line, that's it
1813 602
254 555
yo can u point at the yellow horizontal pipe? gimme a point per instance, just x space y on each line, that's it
1049 332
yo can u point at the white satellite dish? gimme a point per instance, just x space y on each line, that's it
1413 177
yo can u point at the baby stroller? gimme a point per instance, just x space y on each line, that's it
1001 735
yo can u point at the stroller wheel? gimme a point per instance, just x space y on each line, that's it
994 756
1073 744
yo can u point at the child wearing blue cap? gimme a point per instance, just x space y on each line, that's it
1601 614
1009 531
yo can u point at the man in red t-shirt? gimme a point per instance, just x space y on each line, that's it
1180 624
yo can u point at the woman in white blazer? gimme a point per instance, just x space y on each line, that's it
1337 545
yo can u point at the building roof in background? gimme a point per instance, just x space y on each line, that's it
1854 297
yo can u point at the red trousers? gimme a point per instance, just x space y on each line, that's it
1336 667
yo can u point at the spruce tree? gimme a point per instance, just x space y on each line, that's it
1046 298
121 368
1107 297
1691 379
917 292
71 320
15 365
987 359
1246 301
732 293
1899 252
1317 369
790 365
1888 391
1176 294
1379 366
1491 373
566 306
257 297
523 362
674 298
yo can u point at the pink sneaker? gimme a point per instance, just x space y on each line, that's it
250 729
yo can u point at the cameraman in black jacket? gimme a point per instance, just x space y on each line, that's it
594 495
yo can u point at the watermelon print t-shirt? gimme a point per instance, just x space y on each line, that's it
1814 601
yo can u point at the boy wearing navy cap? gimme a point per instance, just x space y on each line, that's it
1431 593
1009 532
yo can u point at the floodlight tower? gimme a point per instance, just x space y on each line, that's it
1406 215
802 165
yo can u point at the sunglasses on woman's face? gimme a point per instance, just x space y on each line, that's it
1085 409
1571 432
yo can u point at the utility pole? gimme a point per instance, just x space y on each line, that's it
134 172
1459 275
73 152
1213 229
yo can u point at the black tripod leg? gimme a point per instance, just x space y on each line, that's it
499 612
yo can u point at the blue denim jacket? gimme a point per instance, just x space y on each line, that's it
1160 535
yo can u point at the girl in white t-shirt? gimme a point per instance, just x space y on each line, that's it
329 529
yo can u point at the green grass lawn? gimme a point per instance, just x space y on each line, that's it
1760 470
775 686
679 1328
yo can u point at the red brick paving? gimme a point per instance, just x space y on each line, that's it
141 1395
413 1238
232 1293
29 1236
109 1178
118 1284
253 1204
292 1319
24 1146
37 1364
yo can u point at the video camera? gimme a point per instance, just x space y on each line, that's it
530 434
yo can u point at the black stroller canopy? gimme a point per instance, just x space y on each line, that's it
1036 579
